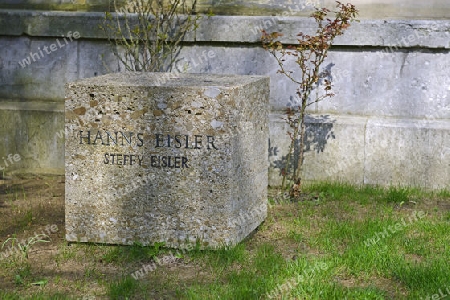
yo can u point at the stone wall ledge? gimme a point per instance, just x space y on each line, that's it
239 29
32 106
369 9
393 121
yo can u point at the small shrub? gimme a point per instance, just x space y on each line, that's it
309 54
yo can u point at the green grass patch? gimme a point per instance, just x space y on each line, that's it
124 288
136 252
337 242
443 193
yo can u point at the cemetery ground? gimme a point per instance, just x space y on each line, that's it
337 242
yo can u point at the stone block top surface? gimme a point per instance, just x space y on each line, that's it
148 79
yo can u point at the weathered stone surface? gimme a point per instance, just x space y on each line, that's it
368 150
175 158
334 148
29 72
402 9
366 83
418 152
58 5
35 132
243 29
390 83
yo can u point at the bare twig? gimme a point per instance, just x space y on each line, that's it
146 35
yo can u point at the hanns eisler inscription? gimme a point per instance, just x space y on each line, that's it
137 139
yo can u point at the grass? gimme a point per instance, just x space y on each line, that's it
123 288
135 252
339 242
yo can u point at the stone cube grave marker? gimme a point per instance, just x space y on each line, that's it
160 157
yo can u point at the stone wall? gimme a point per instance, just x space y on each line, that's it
381 9
389 122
